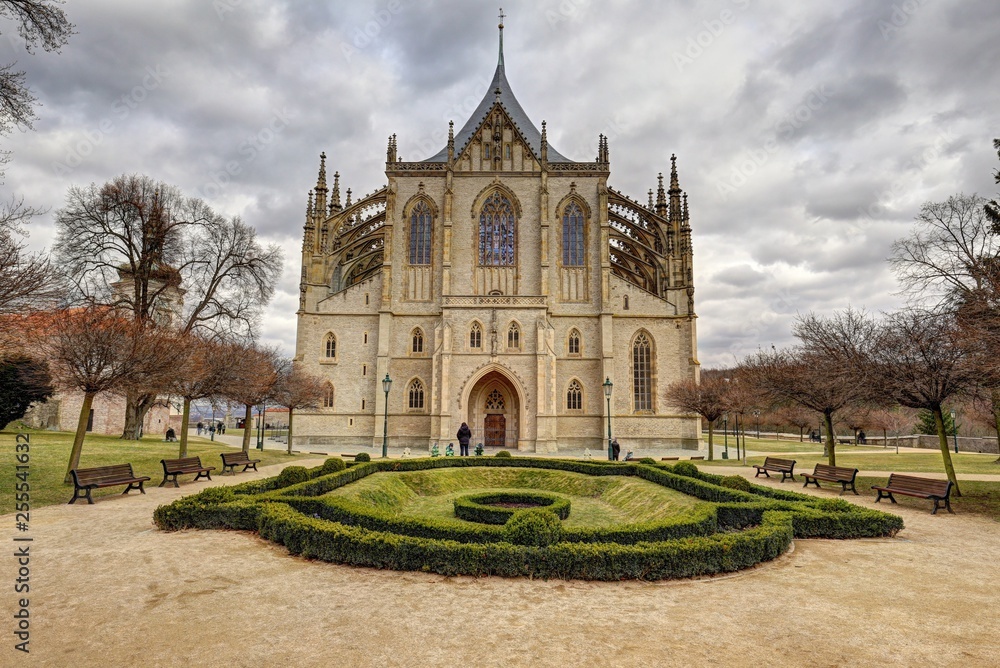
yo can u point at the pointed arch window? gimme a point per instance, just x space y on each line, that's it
328 396
417 345
514 337
330 346
497 227
642 372
573 344
572 236
574 396
420 234
416 391
476 336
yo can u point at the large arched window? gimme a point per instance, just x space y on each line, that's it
574 396
642 371
476 336
420 234
330 346
418 341
572 236
514 337
328 396
416 395
497 228
573 343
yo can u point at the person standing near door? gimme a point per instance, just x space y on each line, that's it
464 434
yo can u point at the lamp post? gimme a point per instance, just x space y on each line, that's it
954 431
725 434
260 426
608 385
386 385
756 419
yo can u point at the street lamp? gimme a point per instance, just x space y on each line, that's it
260 426
607 394
386 384
725 434
954 431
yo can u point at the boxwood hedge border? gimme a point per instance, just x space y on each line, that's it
482 507
733 530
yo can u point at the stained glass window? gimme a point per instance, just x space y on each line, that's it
574 342
416 394
420 234
572 240
497 227
642 395
418 341
514 336
476 336
574 396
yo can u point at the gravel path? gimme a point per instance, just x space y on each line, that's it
109 589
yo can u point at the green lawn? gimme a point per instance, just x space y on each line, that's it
773 446
596 501
978 497
49 456
913 462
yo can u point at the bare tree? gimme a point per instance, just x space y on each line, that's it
28 281
139 245
891 419
707 398
206 370
94 350
992 207
796 416
39 23
295 390
258 372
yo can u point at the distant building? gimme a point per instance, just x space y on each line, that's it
497 283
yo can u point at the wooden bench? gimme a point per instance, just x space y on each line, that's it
845 441
785 467
230 460
85 480
175 467
698 457
924 488
841 474
668 459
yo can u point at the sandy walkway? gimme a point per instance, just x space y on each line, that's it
108 589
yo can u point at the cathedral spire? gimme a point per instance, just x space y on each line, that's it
451 141
674 186
675 192
335 197
321 188
661 197
500 57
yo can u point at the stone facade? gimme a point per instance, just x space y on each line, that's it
497 283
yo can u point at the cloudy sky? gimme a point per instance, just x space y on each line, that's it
808 134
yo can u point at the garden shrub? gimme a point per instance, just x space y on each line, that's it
735 482
538 527
649 461
333 465
291 475
502 454
686 469
482 507
362 457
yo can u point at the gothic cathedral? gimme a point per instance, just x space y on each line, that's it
501 284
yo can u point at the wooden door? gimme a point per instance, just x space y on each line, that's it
494 431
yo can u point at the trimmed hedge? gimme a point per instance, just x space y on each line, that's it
482 507
755 525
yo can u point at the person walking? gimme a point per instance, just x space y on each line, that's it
615 449
464 434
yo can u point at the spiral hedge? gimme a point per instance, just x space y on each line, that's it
482 507
733 530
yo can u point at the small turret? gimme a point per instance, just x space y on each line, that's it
545 145
451 141
335 196
321 188
674 192
661 197
390 151
650 205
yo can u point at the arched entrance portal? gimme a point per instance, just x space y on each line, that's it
494 412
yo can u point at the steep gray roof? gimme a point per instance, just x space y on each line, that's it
513 109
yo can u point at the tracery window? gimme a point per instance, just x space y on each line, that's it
642 395
574 396
420 234
497 227
572 239
330 346
328 396
416 394
418 341
494 401
514 337
574 342
476 336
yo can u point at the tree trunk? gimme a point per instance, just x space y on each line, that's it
136 407
81 429
831 450
185 418
995 401
801 431
247 427
292 410
949 466
710 431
